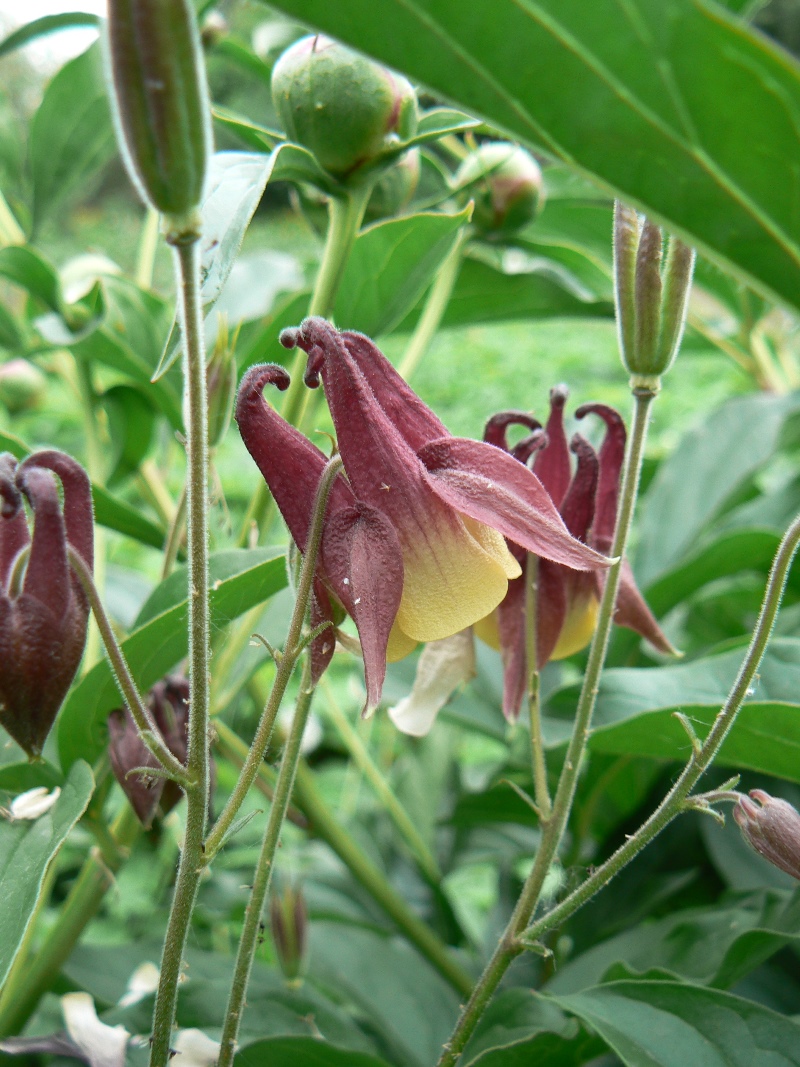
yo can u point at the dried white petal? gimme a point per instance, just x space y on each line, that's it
33 803
103 1046
443 667
141 983
196 1049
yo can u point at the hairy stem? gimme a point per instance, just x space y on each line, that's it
538 764
509 946
187 260
676 799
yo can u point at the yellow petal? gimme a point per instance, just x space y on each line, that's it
457 575
578 628
400 644
487 629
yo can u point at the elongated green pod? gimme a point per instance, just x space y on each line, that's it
159 98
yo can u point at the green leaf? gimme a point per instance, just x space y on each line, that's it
391 266
308 1051
512 1017
633 95
706 468
72 135
131 421
667 1024
440 122
259 138
235 186
715 946
240 579
27 848
108 510
11 334
25 267
636 705
292 163
46 25
19 777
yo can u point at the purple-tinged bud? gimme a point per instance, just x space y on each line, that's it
506 183
43 608
169 707
341 106
160 103
652 295
772 827
22 385
288 920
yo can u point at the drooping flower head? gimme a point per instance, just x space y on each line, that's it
772 827
566 600
414 543
43 609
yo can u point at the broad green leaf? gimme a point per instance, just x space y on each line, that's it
11 335
636 705
668 1024
108 510
308 1051
440 122
235 186
715 945
46 25
391 266
25 267
634 96
72 136
131 421
259 138
27 848
544 1050
17 778
706 468
240 579
292 163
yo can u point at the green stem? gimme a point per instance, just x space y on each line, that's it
435 307
94 880
361 757
145 724
285 664
95 467
187 260
509 946
263 872
324 825
541 791
676 799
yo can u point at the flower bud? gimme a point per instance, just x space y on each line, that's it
169 707
43 608
341 106
651 296
772 827
220 384
395 187
506 184
160 102
22 385
288 920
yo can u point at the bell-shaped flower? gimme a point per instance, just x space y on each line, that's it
567 600
414 540
43 609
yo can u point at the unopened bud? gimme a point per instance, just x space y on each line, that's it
772 827
506 184
651 295
220 384
395 187
288 920
22 385
160 103
341 106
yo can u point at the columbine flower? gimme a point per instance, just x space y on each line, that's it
413 547
566 600
772 828
43 614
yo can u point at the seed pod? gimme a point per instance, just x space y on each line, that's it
506 184
160 100
340 105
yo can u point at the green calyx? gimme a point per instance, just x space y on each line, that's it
160 102
506 184
652 294
342 107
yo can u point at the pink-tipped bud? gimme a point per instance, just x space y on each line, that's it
506 184
772 827
288 920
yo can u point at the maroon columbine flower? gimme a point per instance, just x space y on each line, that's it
169 706
413 547
566 600
43 609
772 828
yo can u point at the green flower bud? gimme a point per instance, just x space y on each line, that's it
395 187
288 919
22 385
652 295
160 103
340 105
221 384
506 184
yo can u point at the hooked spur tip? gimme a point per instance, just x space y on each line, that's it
290 337
558 395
